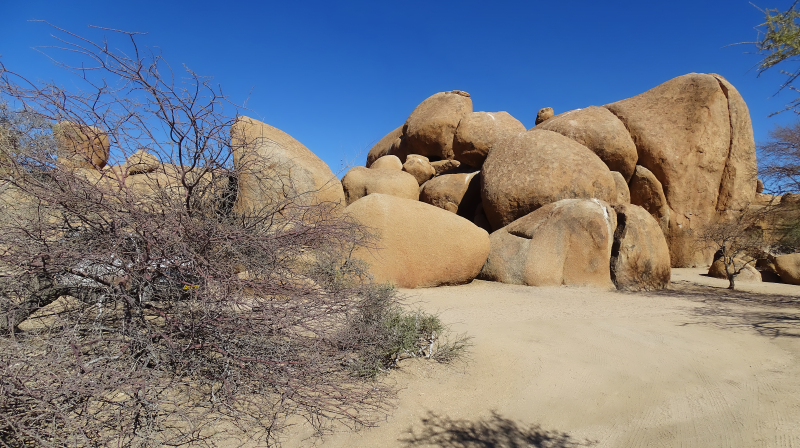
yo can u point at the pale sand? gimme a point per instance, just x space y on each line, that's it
695 366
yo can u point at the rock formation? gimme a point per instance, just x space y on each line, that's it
360 182
81 146
480 132
430 128
419 245
568 242
640 255
272 167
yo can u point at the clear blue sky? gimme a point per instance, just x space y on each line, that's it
338 76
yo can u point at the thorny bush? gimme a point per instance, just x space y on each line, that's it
151 313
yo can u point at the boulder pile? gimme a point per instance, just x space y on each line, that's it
603 196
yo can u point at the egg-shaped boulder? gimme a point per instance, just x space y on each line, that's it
418 245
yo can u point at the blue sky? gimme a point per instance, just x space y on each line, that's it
338 76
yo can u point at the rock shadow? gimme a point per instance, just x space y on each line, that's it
771 315
495 431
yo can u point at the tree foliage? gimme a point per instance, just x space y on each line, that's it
779 42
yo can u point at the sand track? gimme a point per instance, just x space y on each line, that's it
695 366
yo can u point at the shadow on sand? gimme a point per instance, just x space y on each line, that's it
495 431
771 315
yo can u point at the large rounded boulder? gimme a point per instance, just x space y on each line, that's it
537 168
361 181
384 146
272 167
640 255
82 146
480 132
418 245
459 193
693 133
788 267
430 128
601 131
568 242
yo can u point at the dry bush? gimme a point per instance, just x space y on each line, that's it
178 319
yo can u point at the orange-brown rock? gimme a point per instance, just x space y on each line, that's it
788 267
480 132
272 166
564 243
640 255
443 166
694 134
739 181
419 245
141 162
458 193
601 131
383 146
646 191
431 126
388 162
748 272
623 192
537 168
361 181
419 167
82 146
544 114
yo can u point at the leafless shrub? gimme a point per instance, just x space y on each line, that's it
180 318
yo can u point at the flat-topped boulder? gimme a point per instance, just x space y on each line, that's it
418 245
361 181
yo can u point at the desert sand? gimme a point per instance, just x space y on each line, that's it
694 366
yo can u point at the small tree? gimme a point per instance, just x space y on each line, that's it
170 318
737 242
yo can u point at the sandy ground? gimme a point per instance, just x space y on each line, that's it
694 366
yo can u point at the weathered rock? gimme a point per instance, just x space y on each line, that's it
646 192
759 186
419 167
82 146
762 199
601 131
480 132
442 166
361 181
544 114
431 126
388 162
459 193
564 243
693 133
739 180
419 245
141 162
540 167
788 267
790 198
748 274
623 192
640 255
383 146
272 166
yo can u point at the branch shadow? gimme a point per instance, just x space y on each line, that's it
770 315
495 431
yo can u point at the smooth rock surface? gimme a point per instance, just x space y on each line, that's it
646 192
383 146
431 126
623 191
480 132
568 242
388 162
273 166
600 131
459 193
788 267
419 167
640 255
749 272
419 245
361 181
537 168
